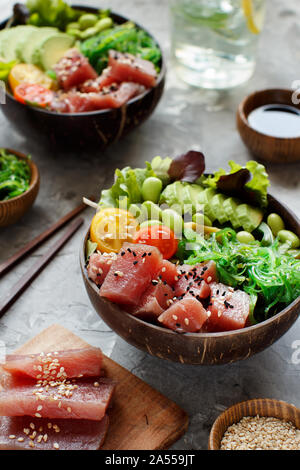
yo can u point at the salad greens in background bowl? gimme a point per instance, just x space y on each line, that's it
19 185
234 247
85 77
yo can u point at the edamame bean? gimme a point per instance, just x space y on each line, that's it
87 21
172 220
73 25
74 32
245 237
154 212
202 219
138 212
275 223
103 24
148 223
151 189
87 33
286 236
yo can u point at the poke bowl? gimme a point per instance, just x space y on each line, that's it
95 108
193 326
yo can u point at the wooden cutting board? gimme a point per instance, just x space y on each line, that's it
141 418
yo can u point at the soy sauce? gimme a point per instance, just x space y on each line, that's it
276 120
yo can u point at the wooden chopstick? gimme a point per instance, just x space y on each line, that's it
33 244
35 270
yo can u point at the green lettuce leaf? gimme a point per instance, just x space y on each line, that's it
127 185
253 182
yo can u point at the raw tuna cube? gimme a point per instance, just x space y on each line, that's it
196 279
27 433
78 399
99 265
131 273
66 364
104 80
154 301
73 69
128 68
229 309
185 316
169 272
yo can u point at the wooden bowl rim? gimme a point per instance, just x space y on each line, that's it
224 334
160 77
34 176
242 115
218 420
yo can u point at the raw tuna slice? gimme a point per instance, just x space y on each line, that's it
99 265
169 273
128 68
70 399
73 69
229 309
185 316
26 433
56 365
113 97
131 273
154 301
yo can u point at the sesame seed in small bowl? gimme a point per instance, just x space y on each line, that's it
258 424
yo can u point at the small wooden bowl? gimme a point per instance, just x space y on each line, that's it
261 407
196 348
272 149
13 209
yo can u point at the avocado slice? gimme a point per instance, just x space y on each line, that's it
21 40
33 41
205 198
51 50
194 191
250 217
6 37
230 206
217 204
173 196
17 40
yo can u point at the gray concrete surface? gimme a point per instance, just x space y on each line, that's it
185 118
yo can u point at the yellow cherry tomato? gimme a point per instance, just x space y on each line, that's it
111 227
28 73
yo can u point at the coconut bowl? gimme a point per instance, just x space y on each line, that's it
13 209
196 348
263 407
94 130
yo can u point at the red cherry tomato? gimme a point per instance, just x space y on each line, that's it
159 236
33 94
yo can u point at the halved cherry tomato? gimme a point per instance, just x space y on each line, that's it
33 94
28 73
111 227
160 236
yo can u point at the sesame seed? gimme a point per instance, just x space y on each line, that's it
186 321
37 415
55 445
261 433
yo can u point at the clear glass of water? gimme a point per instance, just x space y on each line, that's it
214 42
